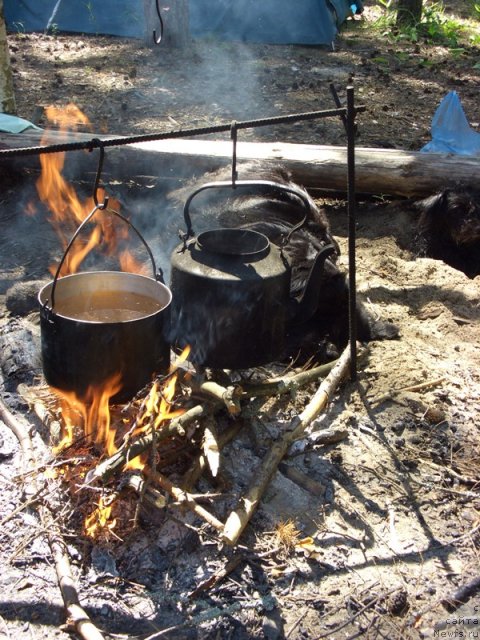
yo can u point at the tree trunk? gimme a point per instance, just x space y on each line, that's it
175 19
7 96
409 12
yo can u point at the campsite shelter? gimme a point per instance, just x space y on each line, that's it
312 22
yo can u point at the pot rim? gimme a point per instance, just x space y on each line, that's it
50 313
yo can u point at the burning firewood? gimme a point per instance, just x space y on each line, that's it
149 424
114 464
220 397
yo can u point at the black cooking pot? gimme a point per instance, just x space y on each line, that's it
231 289
97 324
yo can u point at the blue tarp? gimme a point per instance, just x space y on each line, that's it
270 21
451 131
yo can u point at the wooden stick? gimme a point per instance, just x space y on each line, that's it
21 433
469 481
462 595
413 388
184 498
302 480
75 613
240 516
115 463
230 396
151 495
218 576
287 383
200 463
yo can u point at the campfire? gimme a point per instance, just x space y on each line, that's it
132 447
168 417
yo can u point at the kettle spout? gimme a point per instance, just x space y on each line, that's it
307 304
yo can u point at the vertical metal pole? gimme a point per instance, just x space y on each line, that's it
352 302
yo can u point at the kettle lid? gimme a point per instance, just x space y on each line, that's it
234 242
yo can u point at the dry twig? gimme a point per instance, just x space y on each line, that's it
184 498
287 383
410 389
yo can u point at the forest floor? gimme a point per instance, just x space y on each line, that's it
391 527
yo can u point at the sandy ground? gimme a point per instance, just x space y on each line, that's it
395 524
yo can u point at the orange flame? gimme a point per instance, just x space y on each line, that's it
159 400
92 411
67 211
100 520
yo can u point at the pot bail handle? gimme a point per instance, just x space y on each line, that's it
262 185
157 274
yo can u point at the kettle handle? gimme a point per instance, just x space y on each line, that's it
158 275
262 184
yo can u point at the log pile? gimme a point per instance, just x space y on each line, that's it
198 423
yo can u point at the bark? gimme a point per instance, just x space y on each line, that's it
409 12
7 96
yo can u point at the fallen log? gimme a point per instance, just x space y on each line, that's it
378 171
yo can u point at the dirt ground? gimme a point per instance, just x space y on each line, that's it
388 526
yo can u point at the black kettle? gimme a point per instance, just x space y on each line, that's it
231 289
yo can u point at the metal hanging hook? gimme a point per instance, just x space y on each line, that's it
234 135
158 39
101 158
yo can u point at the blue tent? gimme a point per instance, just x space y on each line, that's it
110 17
270 21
